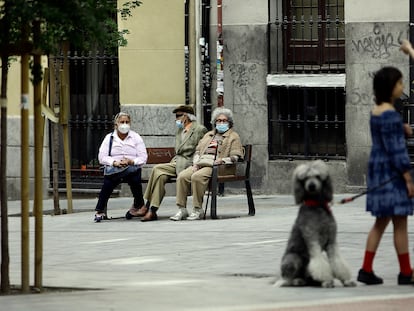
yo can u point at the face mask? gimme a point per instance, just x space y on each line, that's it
179 124
222 127
124 128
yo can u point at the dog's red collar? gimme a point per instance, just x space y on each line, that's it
314 203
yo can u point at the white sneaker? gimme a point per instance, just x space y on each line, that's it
196 214
182 214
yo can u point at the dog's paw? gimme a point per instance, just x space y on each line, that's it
287 283
284 283
349 283
319 269
328 284
298 282
281 283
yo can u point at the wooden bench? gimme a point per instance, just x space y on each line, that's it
242 174
165 154
158 156
155 156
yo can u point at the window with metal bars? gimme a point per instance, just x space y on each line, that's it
307 36
306 82
306 123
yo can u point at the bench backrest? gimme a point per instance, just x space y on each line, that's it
160 155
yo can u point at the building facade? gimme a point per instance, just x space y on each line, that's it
297 75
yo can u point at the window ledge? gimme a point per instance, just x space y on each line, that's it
306 80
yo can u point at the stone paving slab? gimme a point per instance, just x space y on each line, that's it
227 264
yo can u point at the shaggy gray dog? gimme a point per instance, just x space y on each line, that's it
312 257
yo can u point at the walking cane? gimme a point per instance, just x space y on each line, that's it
208 195
210 183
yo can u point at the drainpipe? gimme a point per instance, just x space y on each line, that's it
199 107
220 71
205 62
186 52
411 60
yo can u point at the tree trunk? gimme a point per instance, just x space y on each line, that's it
5 258
38 146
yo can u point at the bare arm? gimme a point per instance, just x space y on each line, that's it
407 48
409 183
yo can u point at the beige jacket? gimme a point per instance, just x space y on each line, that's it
231 146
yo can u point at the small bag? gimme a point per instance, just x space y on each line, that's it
206 160
115 172
110 170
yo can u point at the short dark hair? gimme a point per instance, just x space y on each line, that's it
385 80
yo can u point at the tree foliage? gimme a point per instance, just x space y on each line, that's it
40 27
83 23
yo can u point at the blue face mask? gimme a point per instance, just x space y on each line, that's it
179 124
222 127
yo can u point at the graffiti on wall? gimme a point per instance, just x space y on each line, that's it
358 96
245 76
379 43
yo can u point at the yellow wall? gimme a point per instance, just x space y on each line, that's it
151 66
13 90
14 87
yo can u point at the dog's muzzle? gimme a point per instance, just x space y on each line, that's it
313 185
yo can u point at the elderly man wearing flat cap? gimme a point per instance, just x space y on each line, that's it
189 133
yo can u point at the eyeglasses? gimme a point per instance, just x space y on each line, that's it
178 115
222 121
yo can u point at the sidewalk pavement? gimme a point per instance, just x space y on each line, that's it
225 264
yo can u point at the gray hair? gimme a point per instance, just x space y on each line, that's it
121 114
191 117
221 110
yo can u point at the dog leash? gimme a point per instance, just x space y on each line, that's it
350 199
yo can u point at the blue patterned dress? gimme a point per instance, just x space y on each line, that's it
388 159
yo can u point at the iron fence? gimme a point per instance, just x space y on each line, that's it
94 100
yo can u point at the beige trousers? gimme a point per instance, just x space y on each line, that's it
196 181
155 191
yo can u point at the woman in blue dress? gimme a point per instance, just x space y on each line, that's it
389 166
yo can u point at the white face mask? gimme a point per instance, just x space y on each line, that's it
124 128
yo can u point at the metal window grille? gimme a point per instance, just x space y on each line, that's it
406 109
94 100
306 123
306 40
307 36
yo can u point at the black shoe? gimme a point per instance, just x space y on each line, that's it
368 278
405 279
151 214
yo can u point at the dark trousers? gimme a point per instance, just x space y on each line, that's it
110 183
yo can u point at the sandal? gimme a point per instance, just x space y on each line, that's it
99 217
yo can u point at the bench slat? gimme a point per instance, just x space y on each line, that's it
160 155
